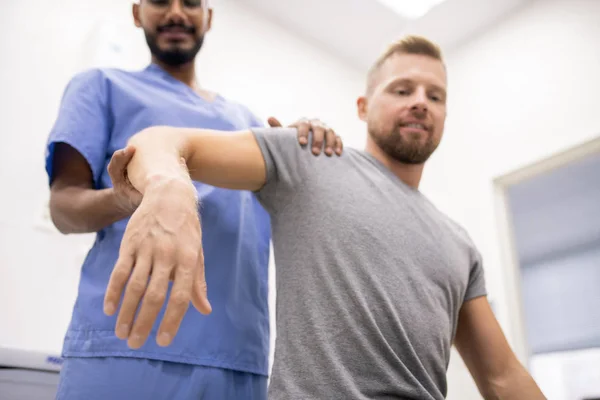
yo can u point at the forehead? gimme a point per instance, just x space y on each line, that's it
412 67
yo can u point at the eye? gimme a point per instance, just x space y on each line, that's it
437 97
193 3
160 3
403 92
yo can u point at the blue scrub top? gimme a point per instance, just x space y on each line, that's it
100 110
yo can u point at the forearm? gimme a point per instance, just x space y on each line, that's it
158 158
231 160
84 210
517 384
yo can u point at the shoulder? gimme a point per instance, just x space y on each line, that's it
460 232
100 83
94 79
453 227
84 87
104 76
87 77
242 111
360 160
464 238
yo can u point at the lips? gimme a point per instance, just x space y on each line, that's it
415 126
175 35
175 31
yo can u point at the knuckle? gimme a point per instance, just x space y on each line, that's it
180 300
188 257
155 298
166 249
120 275
136 287
203 287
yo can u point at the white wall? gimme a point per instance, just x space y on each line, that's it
524 90
43 44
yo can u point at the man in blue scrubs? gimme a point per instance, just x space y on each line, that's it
222 354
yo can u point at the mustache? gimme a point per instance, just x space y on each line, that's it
172 25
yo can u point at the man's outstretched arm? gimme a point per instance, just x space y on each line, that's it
231 160
163 239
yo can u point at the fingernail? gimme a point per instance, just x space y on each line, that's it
164 339
123 331
302 140
109 309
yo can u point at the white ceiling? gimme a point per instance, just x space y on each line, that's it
557 213
358 30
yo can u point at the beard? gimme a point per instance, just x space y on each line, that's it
407 149
173 56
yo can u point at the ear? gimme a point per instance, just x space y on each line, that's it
135 10
208 20
362 108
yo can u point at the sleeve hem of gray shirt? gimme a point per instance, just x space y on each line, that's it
475 295
259 134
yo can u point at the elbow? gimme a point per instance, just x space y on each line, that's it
515 383
59 219
497 385
61 228
58 223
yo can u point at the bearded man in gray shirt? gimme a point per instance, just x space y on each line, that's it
374 284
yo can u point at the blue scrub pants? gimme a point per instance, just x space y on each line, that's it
111 378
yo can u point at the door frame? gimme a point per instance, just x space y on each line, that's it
508 253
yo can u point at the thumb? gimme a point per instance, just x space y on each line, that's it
123 157
274 122
119 160
199 290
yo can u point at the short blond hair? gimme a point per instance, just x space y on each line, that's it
411 44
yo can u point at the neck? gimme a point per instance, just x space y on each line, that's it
408 173
185 73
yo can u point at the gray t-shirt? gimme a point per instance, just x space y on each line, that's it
370 277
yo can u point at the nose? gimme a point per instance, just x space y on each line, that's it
175 12
420 101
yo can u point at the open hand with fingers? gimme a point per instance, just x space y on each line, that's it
162 242
322 135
